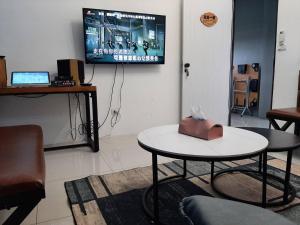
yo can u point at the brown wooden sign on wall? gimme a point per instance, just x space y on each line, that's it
209 19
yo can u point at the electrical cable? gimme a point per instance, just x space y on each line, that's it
82 128
116 116
73 135
111 97
79 107
93 73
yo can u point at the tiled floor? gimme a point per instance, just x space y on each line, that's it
117 153
248 121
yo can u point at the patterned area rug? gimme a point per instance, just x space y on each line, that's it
116 199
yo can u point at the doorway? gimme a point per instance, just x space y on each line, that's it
254 49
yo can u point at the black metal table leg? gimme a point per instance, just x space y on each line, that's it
297 128
153 212
212 171
21 212
95 121
287 176
264 180
260 161
155 189
184 168
88 116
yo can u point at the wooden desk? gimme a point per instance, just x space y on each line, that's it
88 91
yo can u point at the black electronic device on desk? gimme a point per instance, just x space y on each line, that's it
86 84
70 69
70 73
63 83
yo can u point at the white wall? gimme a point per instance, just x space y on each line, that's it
287 62
34 34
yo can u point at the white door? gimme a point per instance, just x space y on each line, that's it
208 51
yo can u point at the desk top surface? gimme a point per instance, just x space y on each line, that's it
45 90
235 143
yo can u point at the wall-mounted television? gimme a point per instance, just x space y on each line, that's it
123 37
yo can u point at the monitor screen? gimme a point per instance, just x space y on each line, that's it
123 37
30 78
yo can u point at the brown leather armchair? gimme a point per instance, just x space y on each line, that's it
22 166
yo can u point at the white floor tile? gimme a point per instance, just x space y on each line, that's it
122 158
74 163
63 221
248 121
56 204
123 153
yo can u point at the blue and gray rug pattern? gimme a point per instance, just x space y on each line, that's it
116 199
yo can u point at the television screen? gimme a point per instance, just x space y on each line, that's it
123 37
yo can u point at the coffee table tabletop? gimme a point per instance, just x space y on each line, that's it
279 141
236 143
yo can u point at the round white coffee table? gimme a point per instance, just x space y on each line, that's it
165 141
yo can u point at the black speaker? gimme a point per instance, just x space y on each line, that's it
81 71
242 69
255 66
71 69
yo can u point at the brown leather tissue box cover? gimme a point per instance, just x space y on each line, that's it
204 129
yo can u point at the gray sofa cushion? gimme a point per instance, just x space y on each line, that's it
202 210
